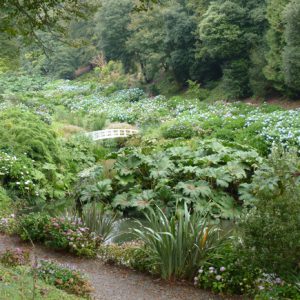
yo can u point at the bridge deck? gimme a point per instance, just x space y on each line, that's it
111 133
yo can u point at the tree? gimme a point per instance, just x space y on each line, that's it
163 40
291 51
180 41
227 32
146 42
61 58
221 28
26 17
111 29
276 43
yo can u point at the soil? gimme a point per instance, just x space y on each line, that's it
286 104
114 283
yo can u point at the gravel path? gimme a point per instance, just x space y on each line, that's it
113 283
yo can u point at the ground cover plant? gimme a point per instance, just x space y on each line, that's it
43 276
64 278
17 284
16 257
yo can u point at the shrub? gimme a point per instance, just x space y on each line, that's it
8 224
18 284
272 227
32 227
229 271
195 91
112 76
18 173
176 130
235 80
5 201
278 290
23 132
129 254
80 153
34 165
95 122
59 233
176 246
205 175
11 83
64 278
129 95
15 257
72 236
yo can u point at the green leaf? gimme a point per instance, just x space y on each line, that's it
122 201
194 189
143 200
227 206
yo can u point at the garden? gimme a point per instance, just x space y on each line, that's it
206 193
201 201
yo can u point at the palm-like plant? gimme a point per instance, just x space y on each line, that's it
177 246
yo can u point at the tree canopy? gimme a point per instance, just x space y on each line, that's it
234 48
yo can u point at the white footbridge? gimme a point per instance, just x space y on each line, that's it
111 134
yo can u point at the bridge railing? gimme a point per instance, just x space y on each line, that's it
111 133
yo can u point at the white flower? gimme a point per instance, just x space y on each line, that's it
218 277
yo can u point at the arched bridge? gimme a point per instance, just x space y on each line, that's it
111 134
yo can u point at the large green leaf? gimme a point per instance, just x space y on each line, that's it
194 189
122 201
226 205
162 166
126 165
125 180
143 200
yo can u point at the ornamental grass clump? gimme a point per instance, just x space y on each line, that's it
98 220
178 245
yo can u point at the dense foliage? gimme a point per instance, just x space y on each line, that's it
17 284
64 278
274 197
59 233
206 177
214 184
177 245
234 48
